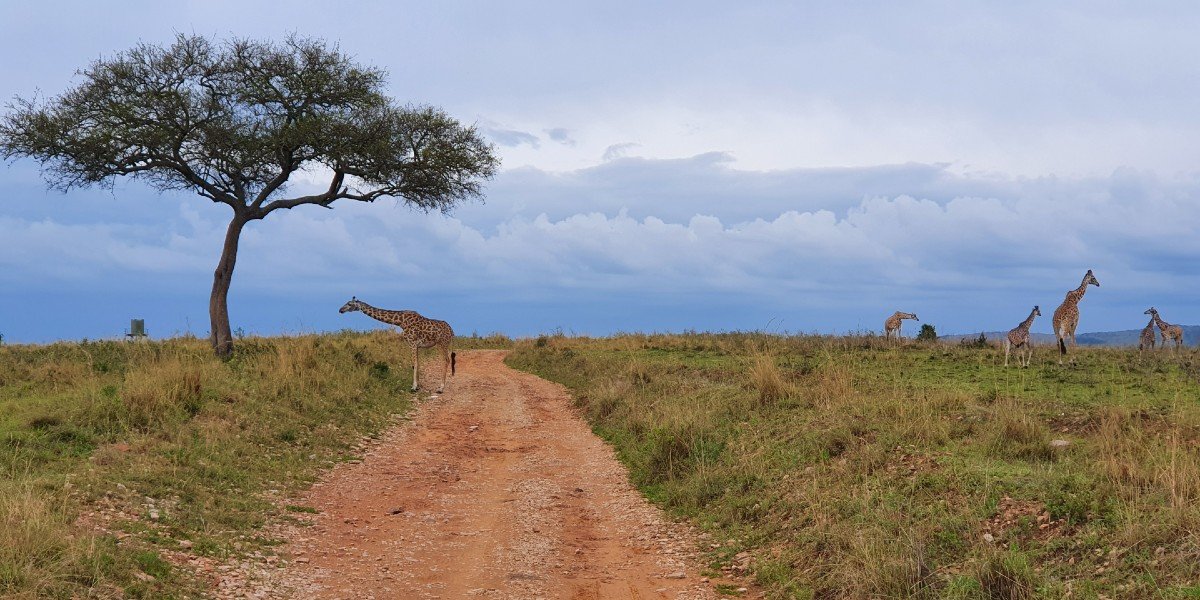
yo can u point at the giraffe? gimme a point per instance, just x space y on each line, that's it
892 324
1066 316
1018 337
1146 341
418 331
1175 332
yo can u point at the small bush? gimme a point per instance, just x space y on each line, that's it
927 333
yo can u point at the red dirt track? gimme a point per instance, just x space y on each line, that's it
496 489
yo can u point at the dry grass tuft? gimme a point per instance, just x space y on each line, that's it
767 379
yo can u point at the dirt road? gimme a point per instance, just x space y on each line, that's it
496 489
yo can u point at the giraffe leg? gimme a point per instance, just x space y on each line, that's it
1007 348
416 358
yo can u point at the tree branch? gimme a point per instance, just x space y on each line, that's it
334 192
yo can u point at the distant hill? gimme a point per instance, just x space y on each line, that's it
1127 337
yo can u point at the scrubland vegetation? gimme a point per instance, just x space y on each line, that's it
851 468
115 456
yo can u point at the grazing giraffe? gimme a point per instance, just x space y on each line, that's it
1066 316
1175 332
1018 337
892 324
418 331
1146 341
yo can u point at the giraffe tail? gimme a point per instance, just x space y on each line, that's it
1062 346
453 355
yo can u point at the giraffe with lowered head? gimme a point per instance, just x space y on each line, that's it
418 331
1175 332
1066 316
1146 341
892 325
1018 337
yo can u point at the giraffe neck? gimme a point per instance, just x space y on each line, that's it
1075 295
1028 321
1157 320
399 318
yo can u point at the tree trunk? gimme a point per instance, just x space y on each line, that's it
218 304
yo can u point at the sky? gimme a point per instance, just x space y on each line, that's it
667 166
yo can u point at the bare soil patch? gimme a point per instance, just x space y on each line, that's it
496 489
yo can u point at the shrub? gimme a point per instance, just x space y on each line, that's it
927 333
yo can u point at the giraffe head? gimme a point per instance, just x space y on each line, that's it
353 305
1151 311
912 316
1089 278
1037 311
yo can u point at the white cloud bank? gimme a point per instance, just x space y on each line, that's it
973 261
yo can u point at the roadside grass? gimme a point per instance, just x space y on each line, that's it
851 468
114 456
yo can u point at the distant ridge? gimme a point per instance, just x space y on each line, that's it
1127 337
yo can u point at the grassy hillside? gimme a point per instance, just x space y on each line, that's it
115 456
846 468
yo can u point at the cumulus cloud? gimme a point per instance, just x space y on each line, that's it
826 249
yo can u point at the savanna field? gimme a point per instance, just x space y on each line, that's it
824 467
850 468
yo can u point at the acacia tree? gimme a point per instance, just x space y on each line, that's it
234 121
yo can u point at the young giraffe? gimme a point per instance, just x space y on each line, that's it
1175 332
1146 341
418 331
1066 316
892 324
1018 337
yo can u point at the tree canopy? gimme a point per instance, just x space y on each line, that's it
234 121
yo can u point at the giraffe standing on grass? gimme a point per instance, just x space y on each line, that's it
1018 337
1175 332
1146 341
1066 316
892 325
418 331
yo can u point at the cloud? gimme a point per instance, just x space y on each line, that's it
616 151
561 135
627 240
511 137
